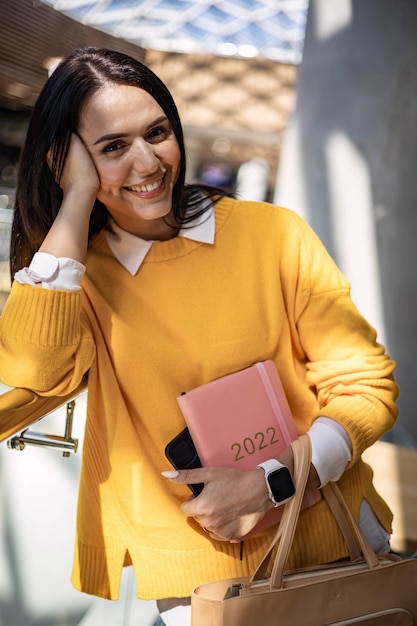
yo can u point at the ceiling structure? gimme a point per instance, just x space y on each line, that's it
231 65
232 109
273 29
33 34
33 37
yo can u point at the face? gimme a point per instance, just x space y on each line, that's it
136 155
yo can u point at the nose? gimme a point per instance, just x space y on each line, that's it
145 160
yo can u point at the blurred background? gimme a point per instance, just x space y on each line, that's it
310 105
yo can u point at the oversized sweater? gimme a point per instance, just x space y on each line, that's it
266 289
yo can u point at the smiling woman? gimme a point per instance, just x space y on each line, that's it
137 158
126 114
153 287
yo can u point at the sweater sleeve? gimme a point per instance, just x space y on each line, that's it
46 343
350 371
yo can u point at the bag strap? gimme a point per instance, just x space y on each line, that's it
355 540
333 503
366 548
285 544
302 460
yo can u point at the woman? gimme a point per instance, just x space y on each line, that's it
182 285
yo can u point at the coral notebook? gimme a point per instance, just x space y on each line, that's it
239 421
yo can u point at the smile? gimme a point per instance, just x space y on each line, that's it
148 187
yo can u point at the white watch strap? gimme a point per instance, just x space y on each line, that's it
270 466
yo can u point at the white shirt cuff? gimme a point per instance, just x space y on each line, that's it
51 272
331 449
178 616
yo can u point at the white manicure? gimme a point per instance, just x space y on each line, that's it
170 474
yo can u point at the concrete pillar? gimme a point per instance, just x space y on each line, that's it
349 162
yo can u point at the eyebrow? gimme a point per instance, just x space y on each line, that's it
111 136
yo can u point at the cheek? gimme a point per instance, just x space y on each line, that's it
176 161
110 174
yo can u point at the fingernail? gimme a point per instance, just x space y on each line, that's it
170 474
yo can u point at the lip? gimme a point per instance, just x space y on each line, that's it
150 188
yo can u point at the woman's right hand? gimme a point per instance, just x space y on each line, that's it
79 170
80 182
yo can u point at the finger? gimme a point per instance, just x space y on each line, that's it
210 531
189 477
192 508
220 535
49 158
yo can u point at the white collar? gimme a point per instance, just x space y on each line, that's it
131 250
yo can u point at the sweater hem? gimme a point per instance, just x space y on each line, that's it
163 573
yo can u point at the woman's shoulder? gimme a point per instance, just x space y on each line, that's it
261 213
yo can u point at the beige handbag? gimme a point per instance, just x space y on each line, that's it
367 589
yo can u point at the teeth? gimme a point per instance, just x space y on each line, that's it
149 187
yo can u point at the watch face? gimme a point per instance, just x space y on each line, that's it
281 484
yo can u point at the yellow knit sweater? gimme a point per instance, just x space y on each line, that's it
266 289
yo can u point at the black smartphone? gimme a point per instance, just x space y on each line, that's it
181 452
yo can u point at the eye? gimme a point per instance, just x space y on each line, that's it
159 133
112 147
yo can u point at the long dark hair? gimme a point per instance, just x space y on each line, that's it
55 117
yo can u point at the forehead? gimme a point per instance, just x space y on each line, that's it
114 105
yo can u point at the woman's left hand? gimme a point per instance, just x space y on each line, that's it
231 503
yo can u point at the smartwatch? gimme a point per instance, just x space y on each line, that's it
278 481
